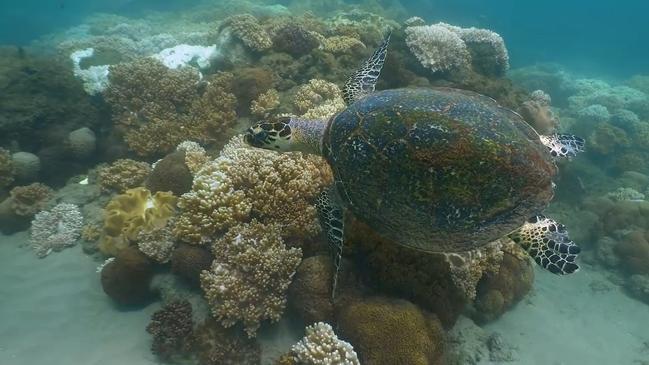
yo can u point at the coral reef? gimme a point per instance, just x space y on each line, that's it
157 244
195 155
82 143
538 114
245 183
437 48
6 169
170 327
342 44
321 346
30 199
126 279
310 291
250 275
171 174
247 29
55 229
157 108
385 331
27 166
212 344
294 39
122 175
265 104
188 261
319 99
128 214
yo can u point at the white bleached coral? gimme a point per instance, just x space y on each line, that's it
321 346
184 55
56 229
94 78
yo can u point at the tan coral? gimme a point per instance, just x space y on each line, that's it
246 182
319 99
342 44
6 169
195 155
265 104
246 27
30 199
123 174
250 275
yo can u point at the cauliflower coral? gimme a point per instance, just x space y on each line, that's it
319 99
321 346
246 183
56 229
250 275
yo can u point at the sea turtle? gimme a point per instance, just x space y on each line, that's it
436 169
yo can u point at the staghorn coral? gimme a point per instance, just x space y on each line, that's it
245 183
265 104
6 169
157 244
30 199
250 275
319 99
126 215
387 331
321 346
122 175
246 28
171 327
437 48
157 108
55 229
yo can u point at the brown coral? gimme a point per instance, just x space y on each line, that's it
245 183
171 327
188 261
157 108
122 175
385 331
6 169
246 27
171 174
310 292
126 279
30 199
250 275
633 251
212 344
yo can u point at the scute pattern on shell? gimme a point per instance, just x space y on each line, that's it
440 170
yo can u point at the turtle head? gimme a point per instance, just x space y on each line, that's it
268 135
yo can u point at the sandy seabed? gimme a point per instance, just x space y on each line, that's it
54 312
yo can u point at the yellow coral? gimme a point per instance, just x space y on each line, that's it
246 182
342 44
132 212
319 99
30 199
6 169
123 174
250 275
265 103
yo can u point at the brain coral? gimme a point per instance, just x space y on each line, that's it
56 229
246 183
157 108
126 215
123 174
250 275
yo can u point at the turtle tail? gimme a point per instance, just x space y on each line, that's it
547 242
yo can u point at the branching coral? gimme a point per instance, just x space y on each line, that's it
56 229
122 175
250 275
437 48
6 169
126 215
321 346
245 183
265 104
319 99
157 108
171 327
246 27
195 155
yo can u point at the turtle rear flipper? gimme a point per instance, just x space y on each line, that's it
363 81
549 245
563 145
332 221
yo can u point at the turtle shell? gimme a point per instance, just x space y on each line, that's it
441 170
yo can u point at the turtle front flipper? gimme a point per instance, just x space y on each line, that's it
563 145
332 221
363 81
548 243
